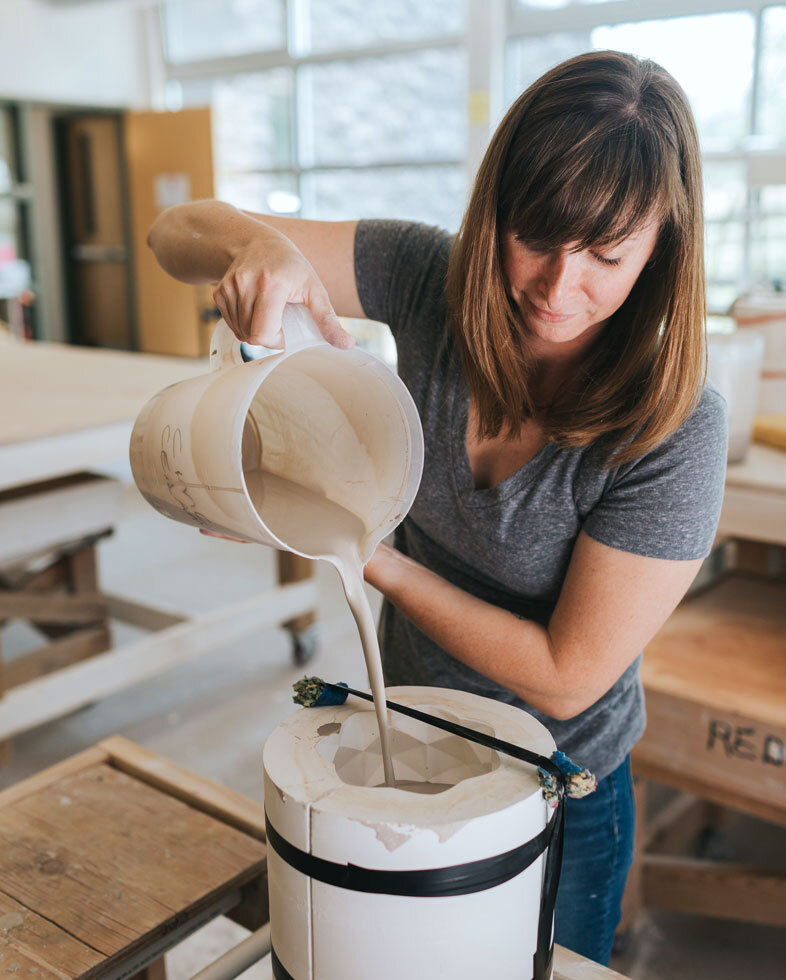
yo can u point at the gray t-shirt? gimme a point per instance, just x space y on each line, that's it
510 545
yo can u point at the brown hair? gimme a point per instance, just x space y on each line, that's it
586 155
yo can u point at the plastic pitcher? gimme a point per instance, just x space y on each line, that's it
338 423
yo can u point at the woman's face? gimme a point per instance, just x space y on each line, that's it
563 295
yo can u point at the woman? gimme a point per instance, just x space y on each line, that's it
574 459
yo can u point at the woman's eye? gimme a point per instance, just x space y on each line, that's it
604 261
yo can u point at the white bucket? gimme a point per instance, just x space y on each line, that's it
338 422
765 315
326 811
734 368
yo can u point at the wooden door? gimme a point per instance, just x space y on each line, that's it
170 161
96 233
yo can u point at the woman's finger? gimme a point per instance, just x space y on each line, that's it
223 308
235 288
326 320
266 318
226 537
245 311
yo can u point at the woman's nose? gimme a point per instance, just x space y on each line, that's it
559 276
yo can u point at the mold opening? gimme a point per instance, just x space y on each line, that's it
426 759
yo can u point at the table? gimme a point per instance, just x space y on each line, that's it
754 504
715 687
66 410
115 855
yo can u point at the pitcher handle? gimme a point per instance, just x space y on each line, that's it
299 328
297 325
224 348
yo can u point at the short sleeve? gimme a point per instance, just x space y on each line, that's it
667 504
400 270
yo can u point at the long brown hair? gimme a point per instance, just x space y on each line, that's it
589 153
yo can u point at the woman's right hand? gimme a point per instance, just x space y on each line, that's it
266 273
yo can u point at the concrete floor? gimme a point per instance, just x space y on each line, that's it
214 714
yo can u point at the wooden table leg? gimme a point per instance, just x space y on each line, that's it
156 971
295 568
82 572
5 746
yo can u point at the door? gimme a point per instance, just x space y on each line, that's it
170 161
98 258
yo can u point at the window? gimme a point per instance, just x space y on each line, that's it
306 122
333 25
342 108
200 29
738 96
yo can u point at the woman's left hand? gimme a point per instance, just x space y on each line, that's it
383 566
226 537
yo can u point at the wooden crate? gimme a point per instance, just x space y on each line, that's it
715 687
715 683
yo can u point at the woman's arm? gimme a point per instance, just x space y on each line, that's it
611 605
260 263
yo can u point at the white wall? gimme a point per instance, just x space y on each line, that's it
93 52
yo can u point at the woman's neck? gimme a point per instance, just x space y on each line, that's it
554 363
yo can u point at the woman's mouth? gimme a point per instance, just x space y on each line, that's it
546 317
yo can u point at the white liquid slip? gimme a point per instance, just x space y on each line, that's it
313 524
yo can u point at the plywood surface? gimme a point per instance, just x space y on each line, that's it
94 862
725 648
55 389
570 966
764 468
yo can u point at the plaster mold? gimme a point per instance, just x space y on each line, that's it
322 774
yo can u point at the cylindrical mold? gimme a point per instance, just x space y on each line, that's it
326 810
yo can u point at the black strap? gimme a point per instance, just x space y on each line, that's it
544 951
279 972
459 879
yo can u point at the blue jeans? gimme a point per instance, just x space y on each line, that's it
596 859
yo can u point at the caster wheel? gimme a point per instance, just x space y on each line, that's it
622 943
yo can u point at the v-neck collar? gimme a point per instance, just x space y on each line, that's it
462 472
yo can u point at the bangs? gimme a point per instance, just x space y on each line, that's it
590 183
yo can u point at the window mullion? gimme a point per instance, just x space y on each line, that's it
752 195
485 48
578 17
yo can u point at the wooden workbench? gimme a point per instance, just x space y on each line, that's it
65 410
113 856
754 504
